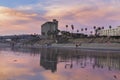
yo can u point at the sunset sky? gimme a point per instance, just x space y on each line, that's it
27 16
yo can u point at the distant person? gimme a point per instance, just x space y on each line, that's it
77 45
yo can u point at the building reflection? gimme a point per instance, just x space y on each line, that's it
109 61
70 58
49 59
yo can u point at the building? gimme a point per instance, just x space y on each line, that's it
110 32
48 29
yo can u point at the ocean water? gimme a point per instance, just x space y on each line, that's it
58 64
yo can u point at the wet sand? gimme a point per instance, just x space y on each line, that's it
89 46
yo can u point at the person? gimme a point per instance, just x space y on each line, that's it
76 45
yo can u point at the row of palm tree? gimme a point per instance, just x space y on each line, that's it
96 29
72 27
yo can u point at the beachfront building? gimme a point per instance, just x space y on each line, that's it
110 32
49 29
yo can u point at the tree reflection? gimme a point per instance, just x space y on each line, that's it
50 57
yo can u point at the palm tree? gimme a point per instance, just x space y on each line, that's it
72 26
110 27
77 30
103 27
99 28
94 27
82 29
85 29
91 32
66 27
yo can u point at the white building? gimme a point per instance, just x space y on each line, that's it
110 32
49 27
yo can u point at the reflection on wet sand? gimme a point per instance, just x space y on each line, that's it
58 64
51 57
18 64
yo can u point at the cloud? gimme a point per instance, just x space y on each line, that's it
10 14
14 21
87 13
10 70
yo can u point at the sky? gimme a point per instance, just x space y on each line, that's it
27 16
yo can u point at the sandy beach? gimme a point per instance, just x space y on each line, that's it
92 46
89 46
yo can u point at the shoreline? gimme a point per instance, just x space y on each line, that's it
83 46
91 46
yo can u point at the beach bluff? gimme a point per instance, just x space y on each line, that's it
51 36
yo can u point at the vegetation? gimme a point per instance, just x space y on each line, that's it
64 37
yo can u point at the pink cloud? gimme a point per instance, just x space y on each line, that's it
19 22
86 14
